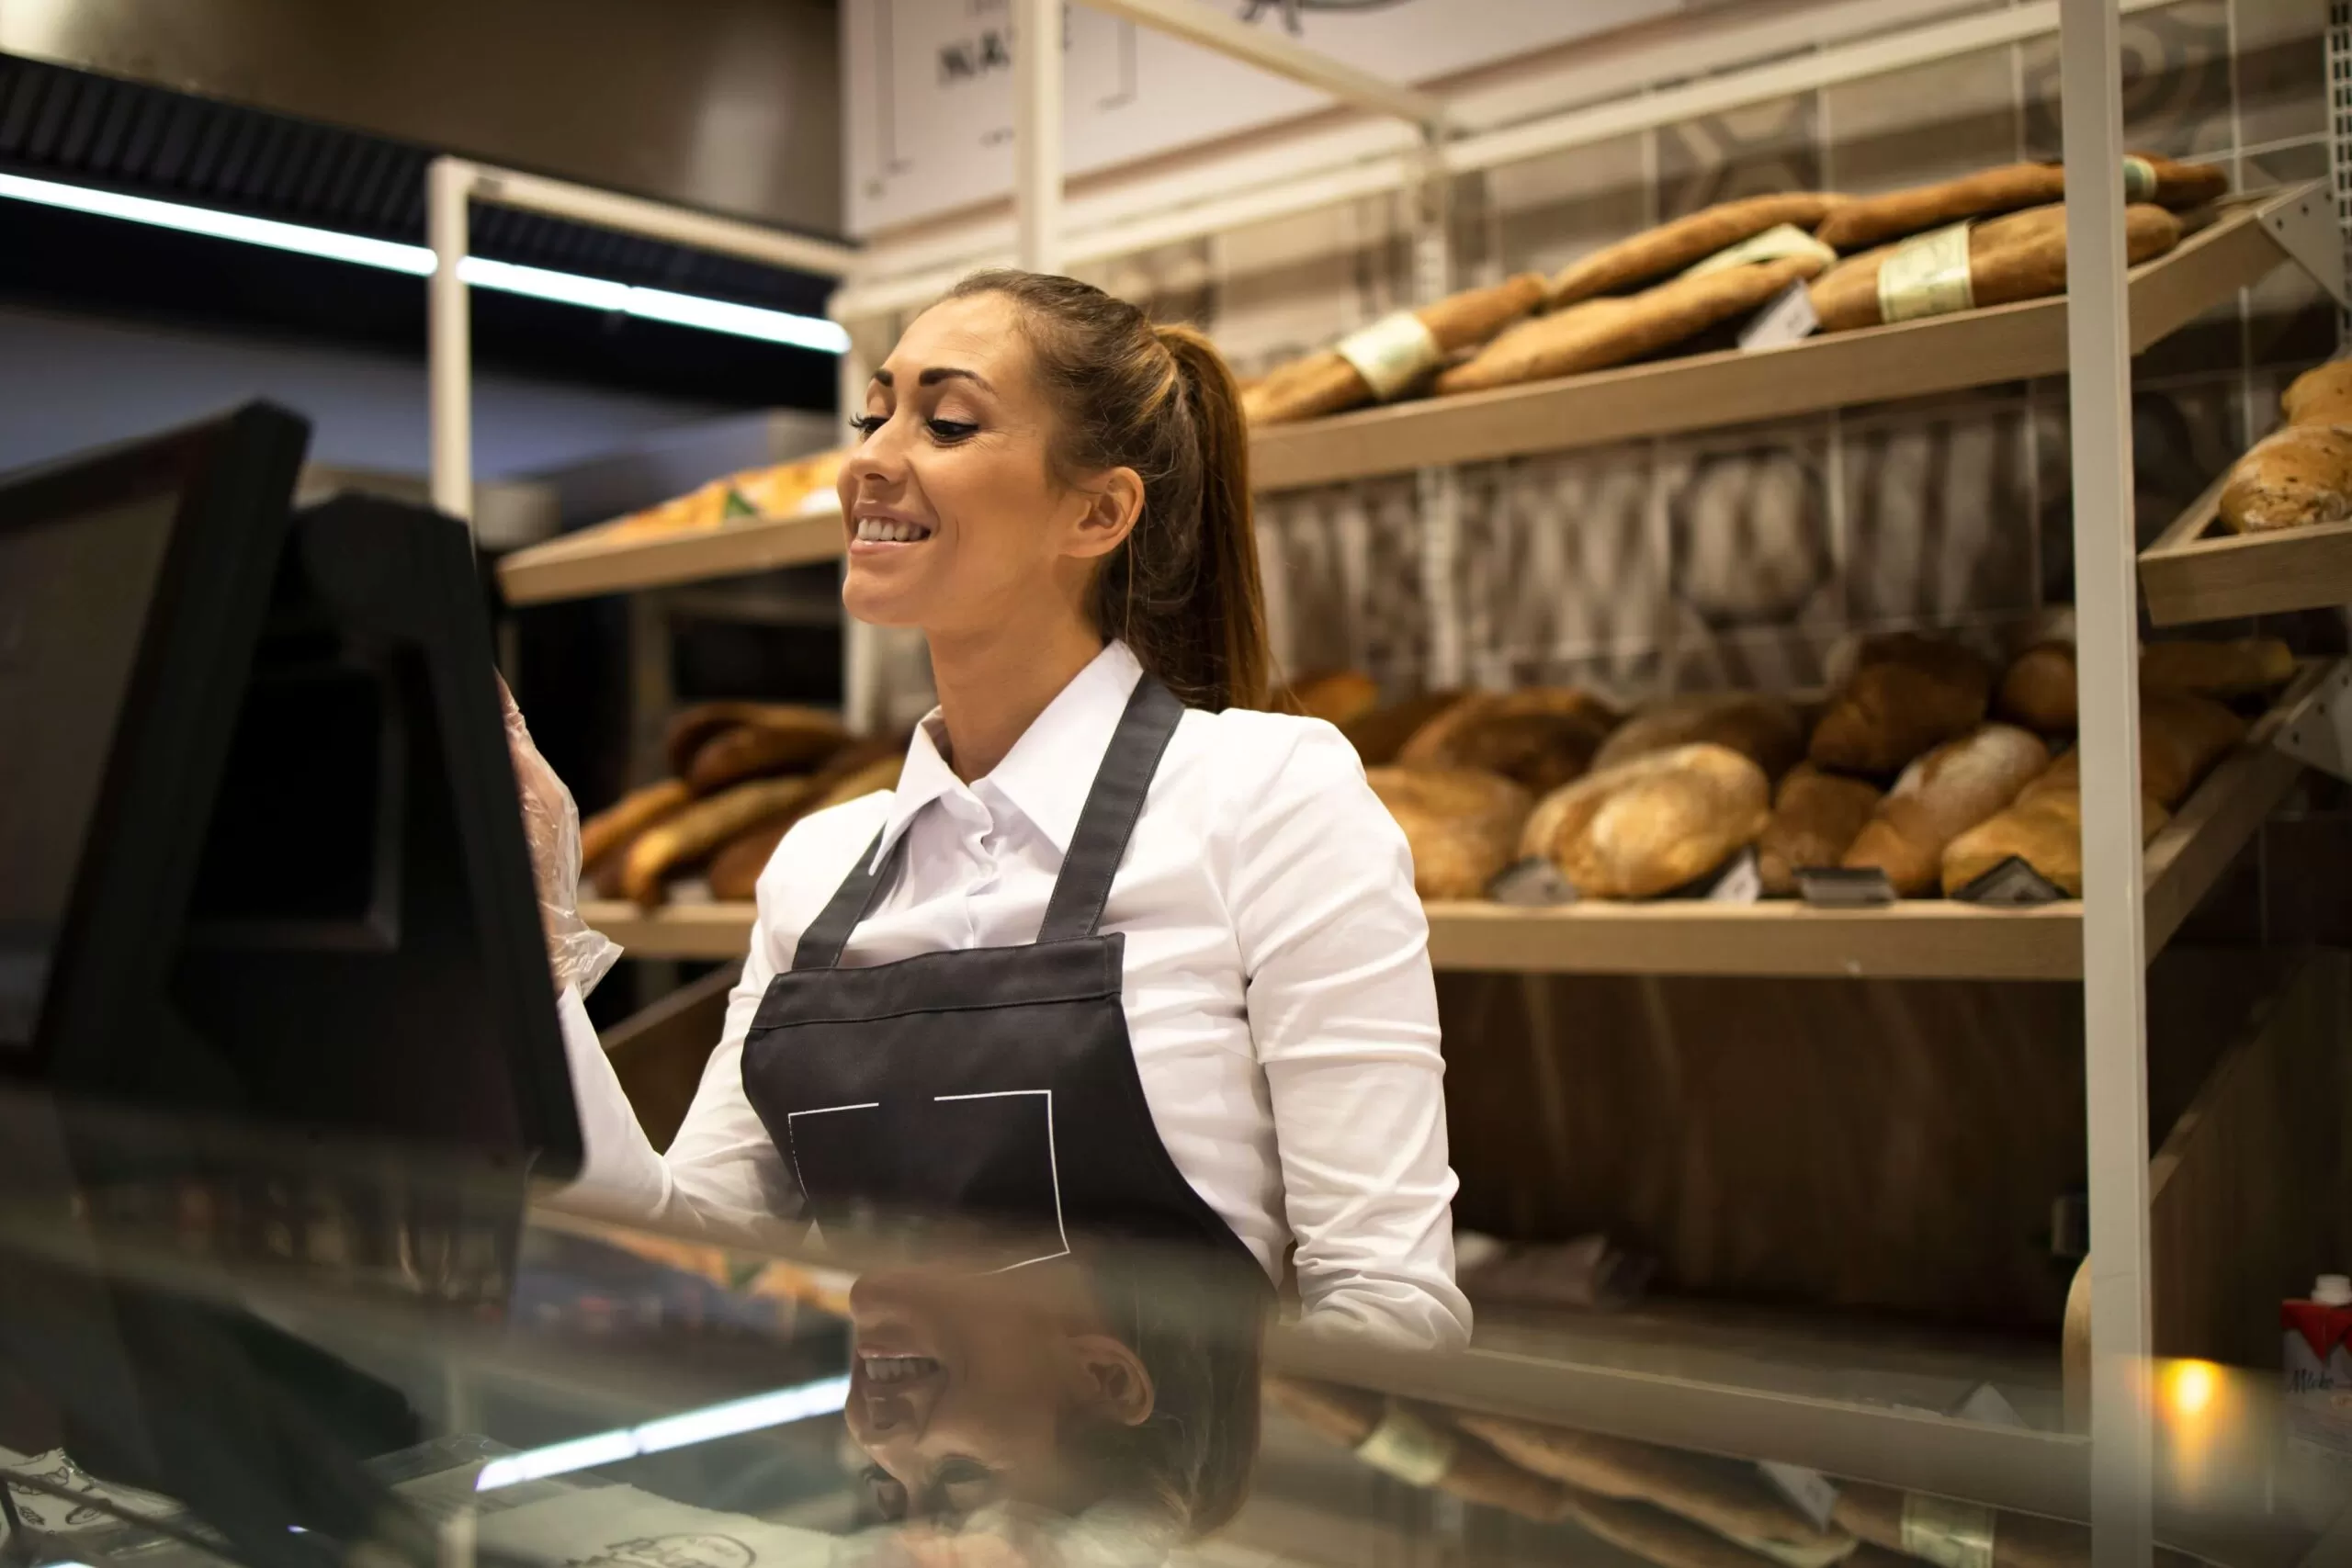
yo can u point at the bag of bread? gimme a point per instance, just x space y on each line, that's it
1904 693
1767 730
1596 333
1873 219
1815 817
1462 825
1968 266
1671 247
1539 737
1651 825
1381 361
1941 796
2292 478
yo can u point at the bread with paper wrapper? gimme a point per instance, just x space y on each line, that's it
2021 255
1328 381
1671 247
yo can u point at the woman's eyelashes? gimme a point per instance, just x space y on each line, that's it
947 432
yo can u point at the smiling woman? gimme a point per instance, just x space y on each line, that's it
1118 960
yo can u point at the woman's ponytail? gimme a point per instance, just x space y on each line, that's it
1228 598
1183 591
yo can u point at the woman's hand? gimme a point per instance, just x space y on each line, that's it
578 954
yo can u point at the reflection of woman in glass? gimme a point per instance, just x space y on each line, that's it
1118 955
1127 1393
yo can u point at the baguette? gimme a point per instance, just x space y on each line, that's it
1399 350
2019 257
1596 333
2244 668
1941 796
2321 395
1462 825
2037 689
2043 827
2292 478
785 740
1815 817
1871 220
1671 247
2182 737
631 815
1905 693
1767 730
1540 738
1651 825
858 769
734 873
698 829
1732 1501
1472 1471
691 726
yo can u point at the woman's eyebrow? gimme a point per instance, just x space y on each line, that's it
935 375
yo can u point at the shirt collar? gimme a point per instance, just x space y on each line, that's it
1050 768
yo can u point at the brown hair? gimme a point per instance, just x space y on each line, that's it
1183 592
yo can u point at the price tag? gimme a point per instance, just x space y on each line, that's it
1739 881
1532 884
1391 353
2012 885
1808 1490
1988 1405
1788 319
1841 887
1926 274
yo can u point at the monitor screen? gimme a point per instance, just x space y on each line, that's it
75 591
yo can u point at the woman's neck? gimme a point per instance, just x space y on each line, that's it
992 685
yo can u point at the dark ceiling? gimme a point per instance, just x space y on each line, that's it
74 126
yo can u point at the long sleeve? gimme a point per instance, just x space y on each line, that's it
1343 1015
721 1174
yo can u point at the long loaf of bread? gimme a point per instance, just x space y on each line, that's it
2243 666
1473 1472
1651 825
1941 796
700 829
2019 257
783 741
1597 334
1462 825
2292 478
1764 730
1871 220
630 815
2321 395
1329 381
1671 247
691 726
1540 738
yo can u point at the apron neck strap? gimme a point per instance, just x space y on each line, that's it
1096 847
1108 818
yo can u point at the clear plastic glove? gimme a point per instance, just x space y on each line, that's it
578 954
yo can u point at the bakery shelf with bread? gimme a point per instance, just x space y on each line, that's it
2274 533
1590 392
755 521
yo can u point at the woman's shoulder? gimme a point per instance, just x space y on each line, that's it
818 849
1249 738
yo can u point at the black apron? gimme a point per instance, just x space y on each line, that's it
995 1085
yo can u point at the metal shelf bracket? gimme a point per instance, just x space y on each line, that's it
2318 731
2306 229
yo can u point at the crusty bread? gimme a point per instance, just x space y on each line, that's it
2321 395
1463 824
734 871
693 834
1905 693
1596 333
2182 737
1653 823
630 815
1686 240
782 741
1380 734
1335 696
691 727
1941 796
1816 816
1474 1472
2037 689
2019 257
1767 731
1871 220
1328 382
1539 737
2043 827
2242 668
2290 479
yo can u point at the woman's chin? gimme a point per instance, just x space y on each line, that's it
875 604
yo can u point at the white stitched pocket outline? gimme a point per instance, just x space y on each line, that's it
1053 1169
792 1116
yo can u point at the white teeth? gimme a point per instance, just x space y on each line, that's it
895 1369
889 531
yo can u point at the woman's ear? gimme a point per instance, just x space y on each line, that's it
1113 508
1113 1380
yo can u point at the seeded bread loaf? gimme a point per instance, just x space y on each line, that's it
1871 220
2019 257
1671 247
2292 478
1941 796
1816 816
1653 823
1462 825
2321 395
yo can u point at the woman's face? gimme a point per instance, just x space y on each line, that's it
962 1386
956 522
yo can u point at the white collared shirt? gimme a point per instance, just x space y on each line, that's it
1278 990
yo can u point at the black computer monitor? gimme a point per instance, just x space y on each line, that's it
260 855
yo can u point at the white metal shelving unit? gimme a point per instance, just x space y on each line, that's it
1414 141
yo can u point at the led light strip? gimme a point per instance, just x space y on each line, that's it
391 255
823 1397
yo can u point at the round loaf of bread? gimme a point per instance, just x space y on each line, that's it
1462 825
2292 478
2037 690
1539 737
1767 731
2321 395
1653 823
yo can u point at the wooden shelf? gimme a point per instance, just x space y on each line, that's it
1919 939
606 559
2198 571
1939 354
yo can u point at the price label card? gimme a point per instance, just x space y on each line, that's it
2012 885
1532 884
1739 883
1788 319
1808 1490
1838 887
1989 1406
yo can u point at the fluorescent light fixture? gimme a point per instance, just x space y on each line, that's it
391 255
777 1408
